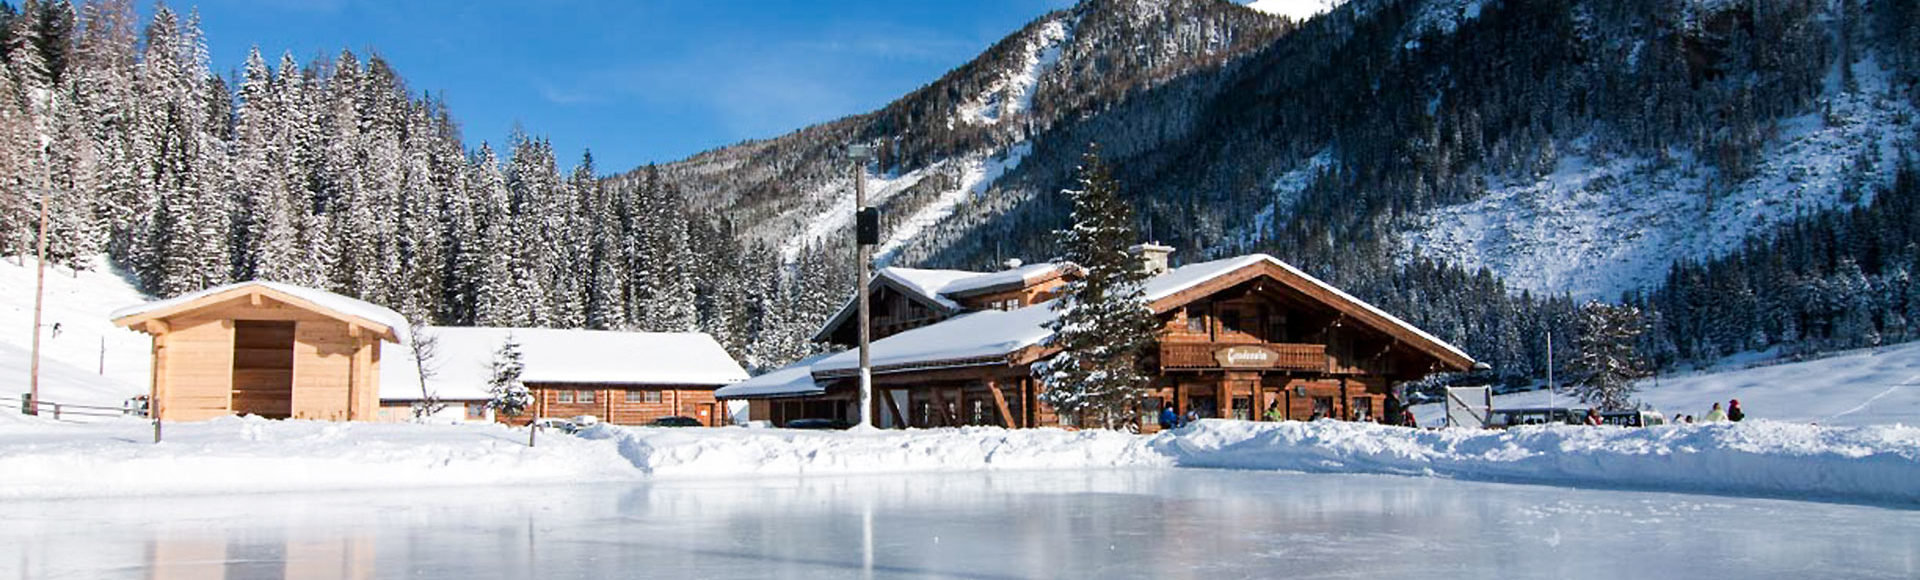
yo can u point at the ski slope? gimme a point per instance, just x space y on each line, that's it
1867 387
85 359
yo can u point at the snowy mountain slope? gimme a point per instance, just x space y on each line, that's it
1599 225
1295 9
1871 387
85 359
970 125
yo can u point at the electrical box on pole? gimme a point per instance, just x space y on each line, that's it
867 226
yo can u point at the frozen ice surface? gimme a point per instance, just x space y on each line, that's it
1143 523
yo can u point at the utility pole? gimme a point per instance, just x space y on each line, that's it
39 284
866 234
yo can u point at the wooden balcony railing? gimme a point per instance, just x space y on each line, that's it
1243 355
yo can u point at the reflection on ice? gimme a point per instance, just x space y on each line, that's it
1178 523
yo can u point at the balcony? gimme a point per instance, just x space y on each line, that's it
1243 356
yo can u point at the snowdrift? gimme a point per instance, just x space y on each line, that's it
41 459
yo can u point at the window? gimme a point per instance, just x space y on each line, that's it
1230 321
563 396
476 412
650 396
635 396
586 396
1196 323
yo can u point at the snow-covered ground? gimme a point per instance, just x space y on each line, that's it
85 359
1867 387
1295 9
44 459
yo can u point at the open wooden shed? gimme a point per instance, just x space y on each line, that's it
264 348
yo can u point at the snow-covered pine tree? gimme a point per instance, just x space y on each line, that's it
671 295
510 396
1605 362
1104 325
489 263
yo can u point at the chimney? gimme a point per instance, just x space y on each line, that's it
1153 257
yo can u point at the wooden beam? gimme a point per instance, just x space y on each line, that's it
157 327
353 330
255 299
1000 401
886 398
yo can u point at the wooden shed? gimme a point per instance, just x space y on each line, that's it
264 348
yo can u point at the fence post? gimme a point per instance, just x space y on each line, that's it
156 430
532 430
56 411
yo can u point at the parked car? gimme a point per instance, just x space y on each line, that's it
1504 418
1633 418
675 421
570 425
817 424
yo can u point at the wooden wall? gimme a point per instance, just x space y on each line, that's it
197 383
610 403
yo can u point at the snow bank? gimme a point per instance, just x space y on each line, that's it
42 459
1874 463
732 452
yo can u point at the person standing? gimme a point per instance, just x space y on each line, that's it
1733 411
1273 413
1593 417
1168 418
1716 415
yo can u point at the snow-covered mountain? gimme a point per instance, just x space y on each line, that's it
1565 148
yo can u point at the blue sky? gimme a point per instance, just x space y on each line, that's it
635 81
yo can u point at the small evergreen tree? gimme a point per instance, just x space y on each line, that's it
510 396
1104 324
1606 363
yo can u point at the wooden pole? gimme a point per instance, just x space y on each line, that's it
39 298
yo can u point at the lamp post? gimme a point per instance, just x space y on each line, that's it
866 234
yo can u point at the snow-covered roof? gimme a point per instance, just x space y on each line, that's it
321 300
975 335
463 360
940 287
993 333
1009 278
794 380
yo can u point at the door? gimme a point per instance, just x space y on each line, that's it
263 368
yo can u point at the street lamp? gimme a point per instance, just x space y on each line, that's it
866 234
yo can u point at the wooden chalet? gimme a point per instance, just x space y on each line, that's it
625 378
1239 335
267 349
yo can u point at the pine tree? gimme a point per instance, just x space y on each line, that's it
510 396
1104 325
1606 362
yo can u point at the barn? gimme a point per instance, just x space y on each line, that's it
625 378
267 349
1246 337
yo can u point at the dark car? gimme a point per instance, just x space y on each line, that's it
816 424
675 421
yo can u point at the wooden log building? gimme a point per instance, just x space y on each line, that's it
1239 336
267 349
624 378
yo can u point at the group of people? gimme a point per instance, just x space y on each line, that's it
1731 413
